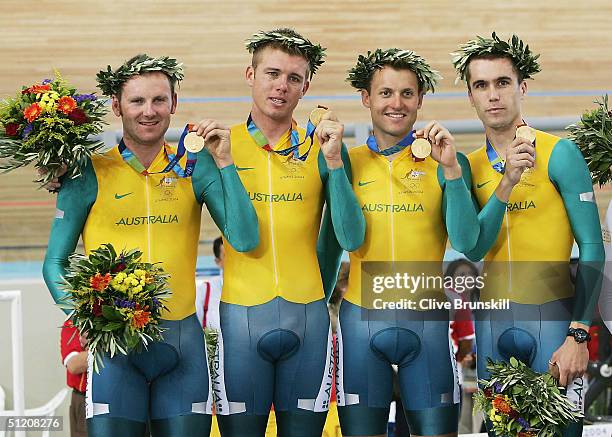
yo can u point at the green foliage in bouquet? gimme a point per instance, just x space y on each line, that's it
521 402
593 135
50 124
116 300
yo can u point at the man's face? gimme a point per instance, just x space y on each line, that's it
496 93
145 108
278 83
221 260
393 100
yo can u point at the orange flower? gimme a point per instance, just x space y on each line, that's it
32 112
66 104
501 405
140 319
99 282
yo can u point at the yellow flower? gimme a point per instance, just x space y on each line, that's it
137 289
139 272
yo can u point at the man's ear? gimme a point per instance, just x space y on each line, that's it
250 75
116 106
174 103
365 98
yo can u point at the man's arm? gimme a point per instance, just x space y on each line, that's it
569 173
216 183
346 216
519 157
458 208
72 208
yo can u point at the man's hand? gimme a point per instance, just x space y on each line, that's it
442 148
216 140
54 185
519 157
571 360
330 132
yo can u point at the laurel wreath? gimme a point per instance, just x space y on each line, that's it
523 58
110 81
360 76
290 39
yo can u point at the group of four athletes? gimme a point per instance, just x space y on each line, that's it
289 206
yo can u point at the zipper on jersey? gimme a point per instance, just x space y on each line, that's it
391 215
509 251
272 219
148 217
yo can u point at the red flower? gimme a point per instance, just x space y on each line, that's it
11 129
96 309
32 112
501 405
141 318
488 393
66 104
119 267
513 414
79 117
99 282
40 89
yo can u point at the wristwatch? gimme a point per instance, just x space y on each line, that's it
579 334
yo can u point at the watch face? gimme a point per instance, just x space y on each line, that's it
579 334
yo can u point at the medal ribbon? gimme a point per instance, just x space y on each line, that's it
174 165
262 141
497 163
405 142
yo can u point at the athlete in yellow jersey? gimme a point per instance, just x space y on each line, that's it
136 196
410 203
536 197
275 340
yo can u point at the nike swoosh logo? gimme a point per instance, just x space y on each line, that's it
121 196
361 184
482 185
244 168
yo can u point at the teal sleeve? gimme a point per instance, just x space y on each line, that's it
227 201
346 215
569 173
74 202
458 208
490 219
329 250
329 254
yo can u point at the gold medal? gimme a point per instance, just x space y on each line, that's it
316 115
526 132
193 143
421 148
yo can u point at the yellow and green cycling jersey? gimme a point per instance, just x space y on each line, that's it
288 195
157 213
408 207
551 206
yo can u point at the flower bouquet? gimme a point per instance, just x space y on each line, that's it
593 134
116 300
49 124
520 402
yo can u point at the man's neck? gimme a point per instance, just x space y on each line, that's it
501 138
385 140
145 153
272 129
